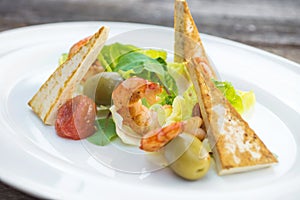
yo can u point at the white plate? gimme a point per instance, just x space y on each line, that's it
35 160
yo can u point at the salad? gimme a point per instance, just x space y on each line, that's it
101 92
139 96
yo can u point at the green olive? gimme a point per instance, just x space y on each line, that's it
100 87
187 157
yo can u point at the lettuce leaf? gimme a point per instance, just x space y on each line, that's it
179 72
178 68
138 62
248 99
106 131
63 58
155 70
241 101
110 54
182 106
162 112
153 53
149 64
191 99
178 110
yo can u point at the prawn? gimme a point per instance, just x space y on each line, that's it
156 139
95 67
206 66
127 100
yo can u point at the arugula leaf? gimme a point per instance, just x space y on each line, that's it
137 62
149 64
155 70
110 54
106 132
129 60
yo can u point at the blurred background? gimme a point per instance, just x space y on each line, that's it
272 25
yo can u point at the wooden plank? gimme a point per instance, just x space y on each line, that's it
7 192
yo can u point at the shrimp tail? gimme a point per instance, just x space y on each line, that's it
156 139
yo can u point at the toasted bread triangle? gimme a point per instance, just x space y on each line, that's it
236 147
188 43
61 85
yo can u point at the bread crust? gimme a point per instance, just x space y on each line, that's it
188 43
61 85
236 147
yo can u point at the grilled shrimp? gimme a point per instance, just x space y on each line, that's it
96 66
127 100
156 139
78 45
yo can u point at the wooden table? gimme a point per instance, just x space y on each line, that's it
272 25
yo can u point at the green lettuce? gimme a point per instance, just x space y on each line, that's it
191 99
161 113
182 106
110 54
153 53
138 62
129 60
149 64
241 101
155 70
179 72
106 131
178 68
63 58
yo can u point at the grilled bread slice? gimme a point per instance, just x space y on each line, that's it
188 43
236 147
61 85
